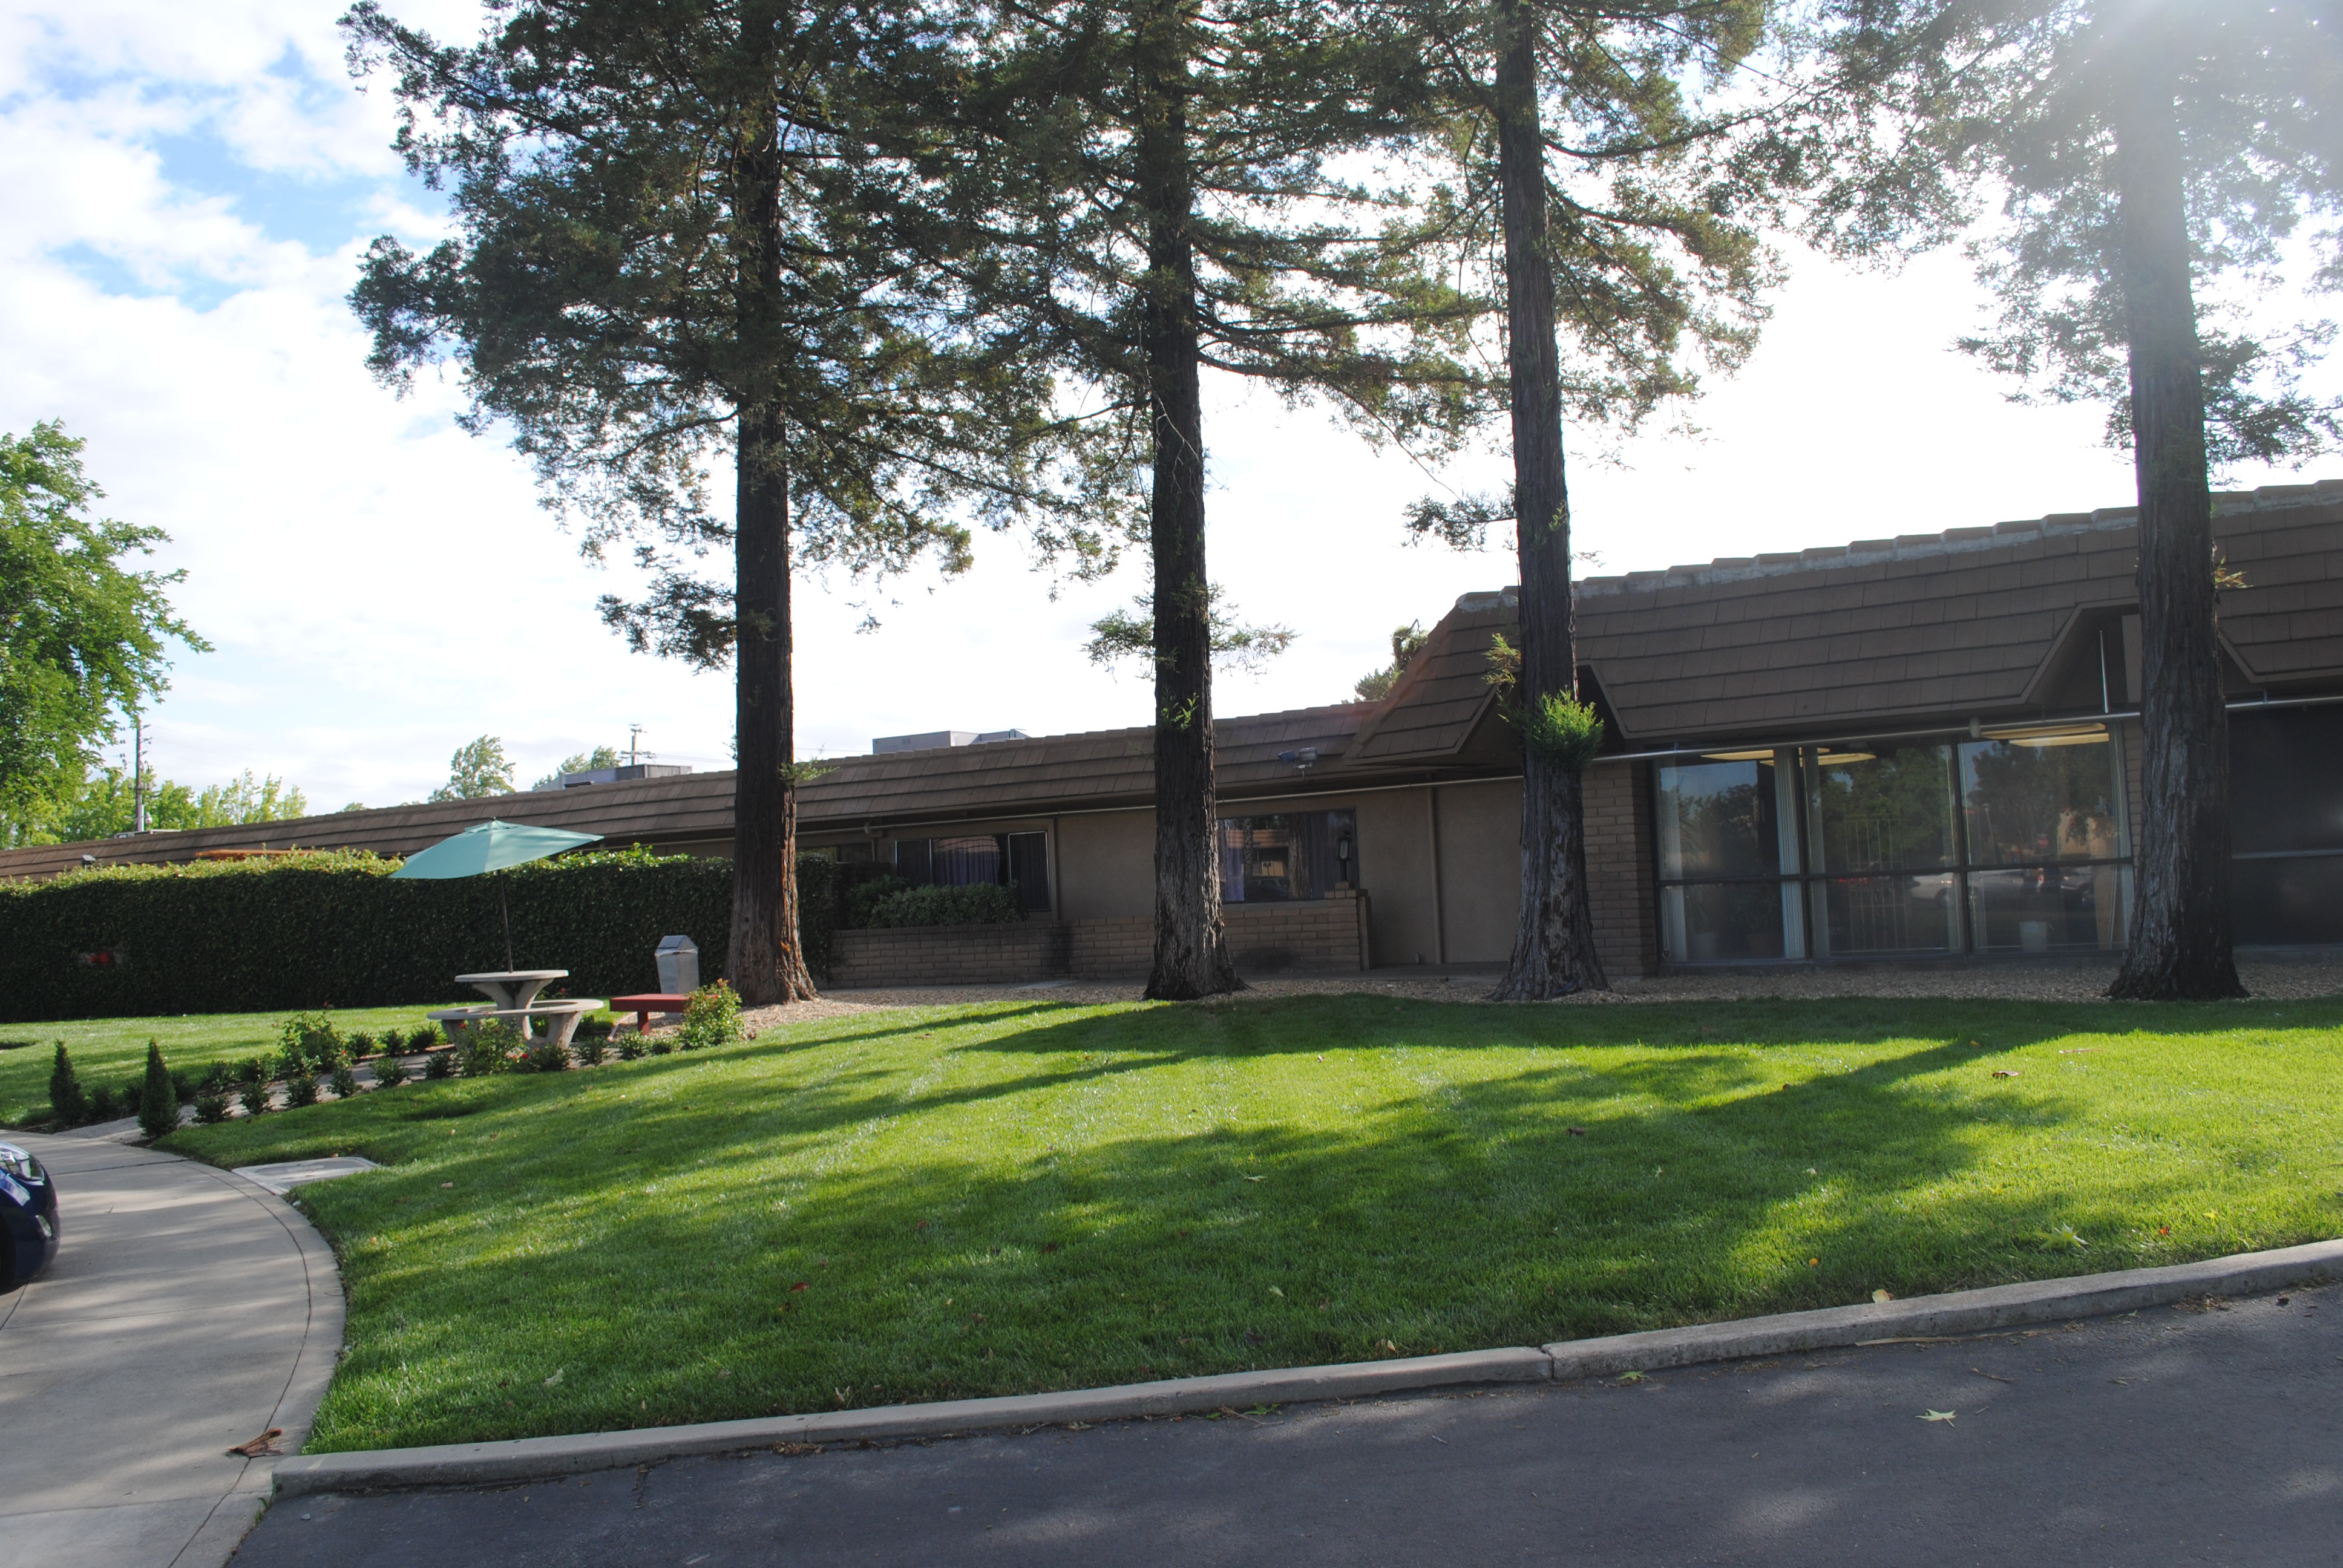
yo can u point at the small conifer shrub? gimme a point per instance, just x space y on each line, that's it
67 1100
211 1107
158 1098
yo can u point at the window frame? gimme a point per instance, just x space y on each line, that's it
1805 890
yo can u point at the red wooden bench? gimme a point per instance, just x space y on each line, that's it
648 1003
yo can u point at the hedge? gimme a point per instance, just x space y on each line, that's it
332 929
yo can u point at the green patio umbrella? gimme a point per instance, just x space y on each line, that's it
491 847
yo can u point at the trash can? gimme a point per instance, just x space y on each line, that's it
678 965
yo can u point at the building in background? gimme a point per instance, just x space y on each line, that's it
1912 749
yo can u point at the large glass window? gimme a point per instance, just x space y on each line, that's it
1727 829
2286 813
1019 860
1291 855
2009 844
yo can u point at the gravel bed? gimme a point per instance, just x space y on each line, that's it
2275 980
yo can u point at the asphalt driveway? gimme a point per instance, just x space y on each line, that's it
2204 1434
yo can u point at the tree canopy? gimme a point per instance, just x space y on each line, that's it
81 636
478 769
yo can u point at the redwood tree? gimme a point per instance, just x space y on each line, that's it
1178 213
1588 162
2155 159
688 232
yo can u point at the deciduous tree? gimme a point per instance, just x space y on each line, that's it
81 635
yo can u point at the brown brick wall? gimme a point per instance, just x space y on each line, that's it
1619 869
1312 935
1315 936
948 955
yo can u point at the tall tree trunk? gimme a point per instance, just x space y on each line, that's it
1554 943
2180 936
767 964
1192 948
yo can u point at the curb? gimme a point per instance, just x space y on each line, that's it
1958 1312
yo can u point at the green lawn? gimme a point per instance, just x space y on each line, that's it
113 1049
1020 1196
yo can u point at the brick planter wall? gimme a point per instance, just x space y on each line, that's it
1308 936
948 955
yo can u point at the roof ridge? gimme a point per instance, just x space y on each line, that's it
1906 546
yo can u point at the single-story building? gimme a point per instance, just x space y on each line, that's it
1922 748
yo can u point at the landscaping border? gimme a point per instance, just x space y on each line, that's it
1872 1322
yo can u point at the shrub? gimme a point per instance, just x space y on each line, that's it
977 904
345 1082
854 910
661 1045
184 1087
590 1047
158 1101
217 1078
544 1054
712 1016
255 1095
300 1088
211 1109
134 1089
313 1038
423 1036
67 1100
630 1048
439 1065
102 1105
362 1044
492 1045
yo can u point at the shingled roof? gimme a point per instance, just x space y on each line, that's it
1972 622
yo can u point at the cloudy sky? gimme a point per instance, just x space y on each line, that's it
187 191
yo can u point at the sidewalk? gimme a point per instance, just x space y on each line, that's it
186 1310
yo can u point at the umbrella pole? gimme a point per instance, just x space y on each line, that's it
504 902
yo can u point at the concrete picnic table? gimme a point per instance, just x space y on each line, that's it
512 988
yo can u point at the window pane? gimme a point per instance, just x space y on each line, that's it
962 862
1721 922
2048 909
1029 870
1891 915
1291 855
2052 798
1885 810
2283 902
1718 820
2286 781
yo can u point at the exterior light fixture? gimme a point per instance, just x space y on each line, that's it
1302 757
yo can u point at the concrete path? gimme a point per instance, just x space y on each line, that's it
2166 1436
186 1310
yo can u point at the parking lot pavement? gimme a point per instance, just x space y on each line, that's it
2208 1434
186 1310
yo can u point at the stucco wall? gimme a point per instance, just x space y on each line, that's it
1480 868
1106 868
1395 867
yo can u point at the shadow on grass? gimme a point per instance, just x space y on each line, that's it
650 1251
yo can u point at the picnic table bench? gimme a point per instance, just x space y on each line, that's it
645 1003
513 996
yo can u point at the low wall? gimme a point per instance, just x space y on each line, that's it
948 955
1312 936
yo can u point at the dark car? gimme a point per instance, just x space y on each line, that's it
28 1217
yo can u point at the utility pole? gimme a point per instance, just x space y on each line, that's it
137 775
634 744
